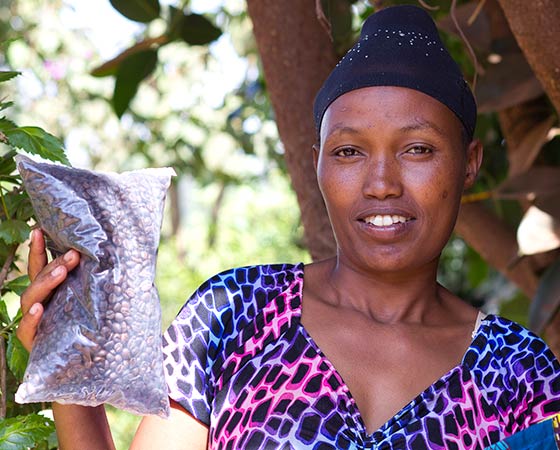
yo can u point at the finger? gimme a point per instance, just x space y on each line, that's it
27 328
37 255
48 279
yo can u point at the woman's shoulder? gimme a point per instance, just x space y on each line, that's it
245 288
502 346
265 276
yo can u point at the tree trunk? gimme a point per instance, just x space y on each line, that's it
297 55
535 27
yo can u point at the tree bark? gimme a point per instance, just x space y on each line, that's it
297 55
535 27
496 243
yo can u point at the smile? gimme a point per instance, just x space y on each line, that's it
385 220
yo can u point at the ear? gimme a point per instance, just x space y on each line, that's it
474 160
316 150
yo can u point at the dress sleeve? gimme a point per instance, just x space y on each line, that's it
190 347
533 379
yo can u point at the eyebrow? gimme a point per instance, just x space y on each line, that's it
422 124
341 127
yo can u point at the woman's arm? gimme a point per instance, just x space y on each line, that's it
82 427
86 428
180 431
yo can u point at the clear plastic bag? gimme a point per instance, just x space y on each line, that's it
99 340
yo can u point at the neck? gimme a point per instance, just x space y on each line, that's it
386 297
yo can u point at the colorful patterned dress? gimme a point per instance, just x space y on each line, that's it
238 359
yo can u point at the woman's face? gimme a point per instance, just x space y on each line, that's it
392 166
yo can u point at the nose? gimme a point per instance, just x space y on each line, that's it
383 179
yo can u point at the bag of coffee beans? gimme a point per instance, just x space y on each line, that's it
99 340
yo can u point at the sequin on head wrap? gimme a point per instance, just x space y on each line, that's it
400 46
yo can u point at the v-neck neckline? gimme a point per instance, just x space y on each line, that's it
381 432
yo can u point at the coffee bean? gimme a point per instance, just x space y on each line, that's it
102 325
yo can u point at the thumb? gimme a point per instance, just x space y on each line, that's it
27 328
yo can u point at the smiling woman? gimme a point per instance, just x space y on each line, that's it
364 350
412 144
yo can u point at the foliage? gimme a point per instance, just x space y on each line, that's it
136 63
20 426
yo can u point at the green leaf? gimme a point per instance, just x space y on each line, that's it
16 356
107 69
18 285
198 30
5 105
8 75
23 432
6 124
174 22
138 10
19 206
7 163
4 316
131 72
37 141
13 231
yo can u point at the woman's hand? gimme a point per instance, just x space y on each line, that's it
44 278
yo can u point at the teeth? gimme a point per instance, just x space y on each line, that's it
385 220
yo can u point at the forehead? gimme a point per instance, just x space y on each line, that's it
390 108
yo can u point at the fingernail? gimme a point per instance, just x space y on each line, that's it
34 309
68 256
33 236
57 271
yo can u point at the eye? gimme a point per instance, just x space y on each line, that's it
346 152
419 150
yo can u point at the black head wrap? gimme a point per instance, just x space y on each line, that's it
400 46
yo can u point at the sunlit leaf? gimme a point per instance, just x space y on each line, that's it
506 84
24 432
546 300
107 69
4 316
537 181
8 75
18 285
538 232
138 10
131 72
36 141
198 30
16 356
14 231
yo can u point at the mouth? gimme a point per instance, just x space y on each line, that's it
386 220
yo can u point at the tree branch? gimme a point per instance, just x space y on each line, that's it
496 243
6 266
297 55
535 25
3 376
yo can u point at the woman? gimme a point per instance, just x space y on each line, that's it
364 350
